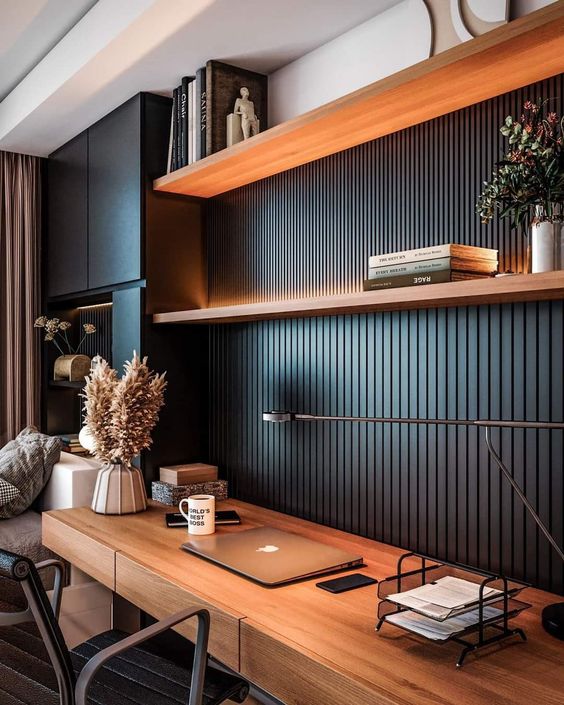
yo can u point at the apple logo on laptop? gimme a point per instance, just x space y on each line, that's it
267 549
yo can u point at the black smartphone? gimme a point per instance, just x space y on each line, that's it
175 519
346 582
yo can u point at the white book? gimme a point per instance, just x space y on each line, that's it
190 135
422 253
393 270
193 122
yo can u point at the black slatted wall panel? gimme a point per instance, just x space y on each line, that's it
100 342
310 231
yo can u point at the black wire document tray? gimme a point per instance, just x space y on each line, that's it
442 602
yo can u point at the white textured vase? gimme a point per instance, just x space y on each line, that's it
119 490
546 246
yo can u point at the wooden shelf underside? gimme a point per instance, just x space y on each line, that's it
519 287
526 50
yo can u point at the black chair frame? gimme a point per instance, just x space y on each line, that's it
74 691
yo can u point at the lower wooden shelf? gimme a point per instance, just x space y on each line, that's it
519 287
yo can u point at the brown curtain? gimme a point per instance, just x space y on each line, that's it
20 292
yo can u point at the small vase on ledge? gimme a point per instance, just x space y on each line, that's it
119 490
546 247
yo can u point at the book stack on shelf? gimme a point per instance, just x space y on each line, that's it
71 444
180 481
430 265
200 106
447 602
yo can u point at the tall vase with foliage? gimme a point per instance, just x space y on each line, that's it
120 415
527 185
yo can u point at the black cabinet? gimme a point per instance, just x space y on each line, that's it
67 213
114 197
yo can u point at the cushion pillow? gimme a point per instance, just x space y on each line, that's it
26 464
7 492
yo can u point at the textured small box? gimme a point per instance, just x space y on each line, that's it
172 494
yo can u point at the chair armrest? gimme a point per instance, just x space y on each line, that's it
200 655
9 619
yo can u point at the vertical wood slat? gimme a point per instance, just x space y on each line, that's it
310 231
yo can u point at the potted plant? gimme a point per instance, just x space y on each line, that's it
69 365
527 185
120 415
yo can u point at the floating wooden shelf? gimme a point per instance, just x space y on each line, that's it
524 51
520 287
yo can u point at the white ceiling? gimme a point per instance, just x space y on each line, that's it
121 47
29 29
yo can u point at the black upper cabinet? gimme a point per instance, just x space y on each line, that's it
101 201
115 197
67 212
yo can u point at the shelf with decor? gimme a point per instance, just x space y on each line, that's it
505 289
526 50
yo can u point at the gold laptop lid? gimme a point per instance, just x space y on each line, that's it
271 556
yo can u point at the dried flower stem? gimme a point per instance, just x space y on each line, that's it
121 413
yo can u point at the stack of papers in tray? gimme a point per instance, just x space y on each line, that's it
440 631
443 598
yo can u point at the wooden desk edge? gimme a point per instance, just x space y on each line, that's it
74 545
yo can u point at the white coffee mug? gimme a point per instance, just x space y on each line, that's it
201 514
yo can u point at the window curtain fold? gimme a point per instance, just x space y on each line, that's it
20 292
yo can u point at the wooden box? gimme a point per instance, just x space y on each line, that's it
187 474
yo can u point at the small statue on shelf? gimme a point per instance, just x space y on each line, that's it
243 122
246 109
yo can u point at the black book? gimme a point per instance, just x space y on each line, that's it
200 113
223 87
184 121
407 280
179 128
174 129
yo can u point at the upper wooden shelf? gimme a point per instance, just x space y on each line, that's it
520 287
524 51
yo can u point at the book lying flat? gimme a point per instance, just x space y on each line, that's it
423 253
443 598
440 631
439 277
484 266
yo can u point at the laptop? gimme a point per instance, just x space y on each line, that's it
270 556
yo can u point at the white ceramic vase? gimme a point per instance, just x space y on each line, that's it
546 246
119 490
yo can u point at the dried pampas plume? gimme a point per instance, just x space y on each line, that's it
121 413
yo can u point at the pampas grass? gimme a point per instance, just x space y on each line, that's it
121 413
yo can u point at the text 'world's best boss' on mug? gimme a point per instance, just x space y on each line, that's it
201 514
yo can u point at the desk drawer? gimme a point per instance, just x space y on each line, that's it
296 676
161 597
93 557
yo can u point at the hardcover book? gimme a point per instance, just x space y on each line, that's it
184 149
174 122
223 86
201 113
434 265
433 252
445 275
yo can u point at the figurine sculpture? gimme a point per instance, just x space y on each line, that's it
242 123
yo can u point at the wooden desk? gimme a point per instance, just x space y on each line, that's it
304 645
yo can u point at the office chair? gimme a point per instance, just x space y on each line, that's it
110 669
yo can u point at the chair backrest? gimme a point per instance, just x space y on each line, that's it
23 570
